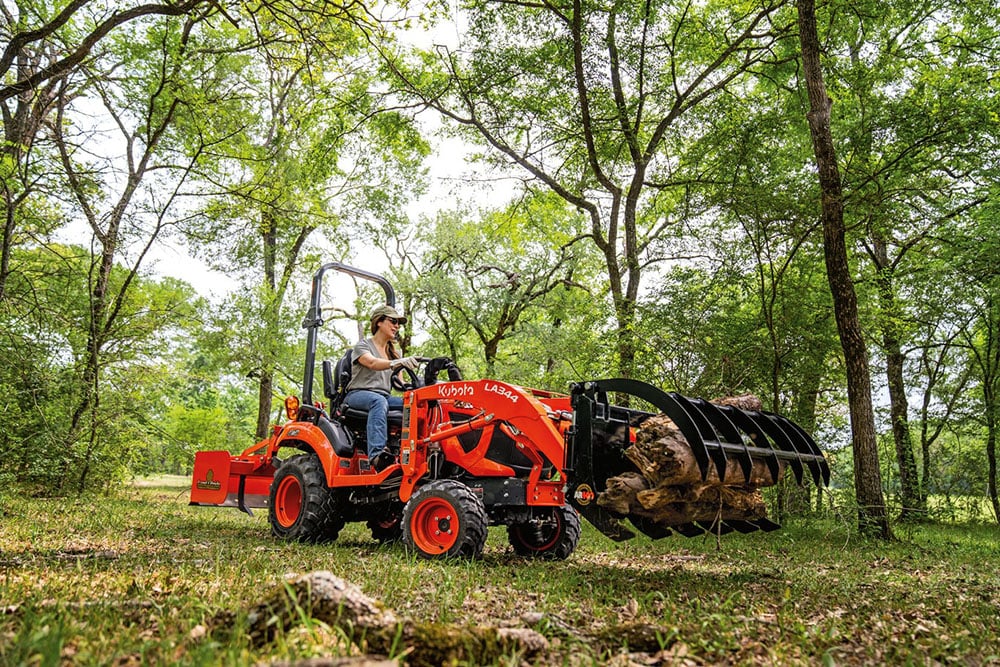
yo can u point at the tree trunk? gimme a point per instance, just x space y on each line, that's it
872 517
911 499
991 456
991 381
265 389
265 382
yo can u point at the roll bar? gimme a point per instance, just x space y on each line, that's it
314 316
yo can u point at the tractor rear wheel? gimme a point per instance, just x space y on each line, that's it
444 519
302 508
552 537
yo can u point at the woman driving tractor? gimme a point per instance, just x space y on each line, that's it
374 361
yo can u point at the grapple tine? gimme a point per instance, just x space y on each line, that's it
650 528
689 530
743 526
799 443
728 430
780 440
766 524
706 432
814 449
605 522
757 437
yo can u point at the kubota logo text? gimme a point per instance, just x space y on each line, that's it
503 391
456 390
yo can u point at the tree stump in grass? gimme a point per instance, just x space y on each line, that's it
325 597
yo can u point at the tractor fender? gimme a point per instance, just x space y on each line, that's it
310 437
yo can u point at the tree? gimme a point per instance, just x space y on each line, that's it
307 144
45 46
494 273
44 347
590 100
146 82
872 518
982 336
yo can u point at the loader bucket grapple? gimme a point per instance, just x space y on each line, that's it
470 454
694 467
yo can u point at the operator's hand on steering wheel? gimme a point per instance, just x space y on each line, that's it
409 363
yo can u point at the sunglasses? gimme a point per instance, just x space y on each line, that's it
391 320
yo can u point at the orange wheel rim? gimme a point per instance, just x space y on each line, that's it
288 501
434 526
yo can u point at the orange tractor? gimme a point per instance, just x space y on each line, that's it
475 453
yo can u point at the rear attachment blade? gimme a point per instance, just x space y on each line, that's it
227 480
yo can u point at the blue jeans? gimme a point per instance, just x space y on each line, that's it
377 406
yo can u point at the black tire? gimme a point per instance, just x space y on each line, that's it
552 537
387 529
301 506
445 519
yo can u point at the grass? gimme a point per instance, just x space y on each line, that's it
138 579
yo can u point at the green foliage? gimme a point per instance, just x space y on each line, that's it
45 344
510 293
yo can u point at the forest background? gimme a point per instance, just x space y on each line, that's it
657 201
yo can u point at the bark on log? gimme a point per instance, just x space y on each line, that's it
328 598
664 457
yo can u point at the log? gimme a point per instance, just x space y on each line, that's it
378 632
328 598
667 487
662 454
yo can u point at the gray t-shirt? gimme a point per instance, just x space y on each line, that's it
366 378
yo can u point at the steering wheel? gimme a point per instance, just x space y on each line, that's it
412 380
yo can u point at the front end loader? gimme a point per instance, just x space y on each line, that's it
476 453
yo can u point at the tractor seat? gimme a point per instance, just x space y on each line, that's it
335 381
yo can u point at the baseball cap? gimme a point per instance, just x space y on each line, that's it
387 311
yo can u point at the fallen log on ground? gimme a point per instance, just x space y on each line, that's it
379 634
375 630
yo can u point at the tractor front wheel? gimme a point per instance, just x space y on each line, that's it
552 536
444 519
302 508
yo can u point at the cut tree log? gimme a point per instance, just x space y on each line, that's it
381 635
667 486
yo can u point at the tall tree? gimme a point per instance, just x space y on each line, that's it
309 143
142 86
872 516
495 271
45 44
590 99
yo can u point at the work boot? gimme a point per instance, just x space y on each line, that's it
382 461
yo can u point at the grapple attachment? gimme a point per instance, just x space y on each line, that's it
696 466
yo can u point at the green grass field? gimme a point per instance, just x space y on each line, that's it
143 579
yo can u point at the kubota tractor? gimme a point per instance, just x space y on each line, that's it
475 453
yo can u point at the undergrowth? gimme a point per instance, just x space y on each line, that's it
146 579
